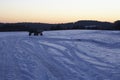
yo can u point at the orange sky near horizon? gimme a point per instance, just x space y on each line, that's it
58 11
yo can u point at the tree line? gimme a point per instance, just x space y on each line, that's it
84 24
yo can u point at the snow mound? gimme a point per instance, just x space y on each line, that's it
60 55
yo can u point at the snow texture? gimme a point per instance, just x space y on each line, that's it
60 55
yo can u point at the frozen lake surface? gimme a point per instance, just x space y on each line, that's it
60 55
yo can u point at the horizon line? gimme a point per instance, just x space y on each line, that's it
58 22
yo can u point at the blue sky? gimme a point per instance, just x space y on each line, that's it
58 11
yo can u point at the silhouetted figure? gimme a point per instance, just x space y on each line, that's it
30 33
41 33
35 33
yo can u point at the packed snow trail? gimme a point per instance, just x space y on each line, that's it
60 55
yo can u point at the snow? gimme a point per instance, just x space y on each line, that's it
60 55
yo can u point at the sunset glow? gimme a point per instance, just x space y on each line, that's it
58 11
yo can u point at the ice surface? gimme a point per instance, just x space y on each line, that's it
60 55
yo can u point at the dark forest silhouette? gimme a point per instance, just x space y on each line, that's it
38 28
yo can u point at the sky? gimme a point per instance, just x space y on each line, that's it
59 11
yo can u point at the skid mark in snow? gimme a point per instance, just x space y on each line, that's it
64 53
93 60
53 45
29 65
102 54
68 62
29 42
55 66
102 44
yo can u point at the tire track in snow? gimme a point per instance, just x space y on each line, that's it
84 55
46 63
55 64
9 68
30 65
49 66
54 45
99 43
81 60
62 48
